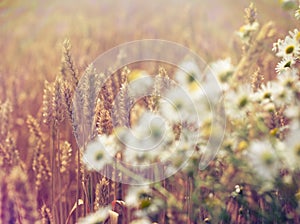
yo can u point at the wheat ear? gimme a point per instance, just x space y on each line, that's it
241 72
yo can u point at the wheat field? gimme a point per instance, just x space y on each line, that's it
57 108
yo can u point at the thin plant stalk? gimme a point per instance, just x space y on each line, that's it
59 176
52 151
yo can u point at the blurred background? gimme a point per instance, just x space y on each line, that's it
32 33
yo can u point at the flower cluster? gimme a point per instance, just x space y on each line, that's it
297 13
100 152
181 125
288 50
261 138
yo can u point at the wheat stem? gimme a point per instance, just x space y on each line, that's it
52 157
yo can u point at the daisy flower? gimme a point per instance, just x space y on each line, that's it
265 93
150 207
246 30
285 64
263 159
295 34
242 99
97 217
146 139
292 150
211 87
293 112
140 83
181 150
100 152
281 94
290 80
153 130
136 157
141 197
141 221
223 69
136 194
297 13
289 47
188 75
237 101
177 106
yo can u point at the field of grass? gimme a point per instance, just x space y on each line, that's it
47 47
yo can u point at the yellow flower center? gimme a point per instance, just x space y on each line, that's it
274 131
194 87
99 156
243 102
288 64
298 195
267 95
289 49
178 105
191 77
145 203
225 76
135 74
242 145
267 158
297 150
156 132
289 83
298 36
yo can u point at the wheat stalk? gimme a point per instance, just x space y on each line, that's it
250 14
257 80
257 47
23 196
65 152
47 217
101 194
47 103
40 163
7 209
122 107
68 70
58 101
5 111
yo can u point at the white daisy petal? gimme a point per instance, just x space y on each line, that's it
263 160
100 152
